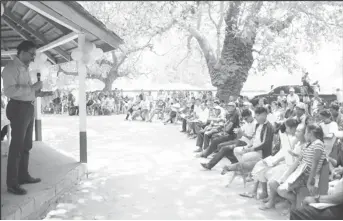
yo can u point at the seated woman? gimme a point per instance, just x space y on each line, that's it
305 170
259 172
260 148
278 172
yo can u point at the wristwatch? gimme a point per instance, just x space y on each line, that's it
317 198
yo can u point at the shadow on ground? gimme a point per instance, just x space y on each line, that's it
144 171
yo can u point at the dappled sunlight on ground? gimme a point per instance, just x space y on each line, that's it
144 171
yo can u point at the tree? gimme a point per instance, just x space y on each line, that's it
260 35
138 23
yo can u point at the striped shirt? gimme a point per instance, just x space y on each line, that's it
308 155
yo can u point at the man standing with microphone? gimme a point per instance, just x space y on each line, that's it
20 111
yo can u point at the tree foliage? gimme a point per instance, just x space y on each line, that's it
260 35
230 39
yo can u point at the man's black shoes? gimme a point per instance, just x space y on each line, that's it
30 180
205 165
17 190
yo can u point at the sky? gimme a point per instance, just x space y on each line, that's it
326 67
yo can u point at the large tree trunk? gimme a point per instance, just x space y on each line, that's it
231 72
108 85
111 77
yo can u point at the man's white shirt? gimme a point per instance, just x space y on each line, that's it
249 130
203 115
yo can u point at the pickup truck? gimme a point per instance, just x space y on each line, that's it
299 90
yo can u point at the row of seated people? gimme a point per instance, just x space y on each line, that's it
292 158
167 110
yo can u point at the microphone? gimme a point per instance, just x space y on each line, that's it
38 78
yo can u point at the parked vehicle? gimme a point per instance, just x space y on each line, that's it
299 90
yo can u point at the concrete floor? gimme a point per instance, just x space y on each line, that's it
144 170
57 173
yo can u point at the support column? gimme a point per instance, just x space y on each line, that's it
82 102
38 119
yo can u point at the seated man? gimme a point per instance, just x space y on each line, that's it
336 160
330 128
107 106
215 126
321 207
186 112
231 124
174 109
199 122
130 105
226 149
192 118
144 105
261 146
159 107
136 108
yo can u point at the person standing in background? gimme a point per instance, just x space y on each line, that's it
20 111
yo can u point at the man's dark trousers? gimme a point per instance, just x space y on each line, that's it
225 151
215 142
184 124
21 116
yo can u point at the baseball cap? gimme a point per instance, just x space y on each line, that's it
301 105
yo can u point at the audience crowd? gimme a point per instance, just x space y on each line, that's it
290 148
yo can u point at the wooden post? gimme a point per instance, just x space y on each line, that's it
38 119
82 102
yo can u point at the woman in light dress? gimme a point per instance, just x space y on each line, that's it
275 163
306 169
290 156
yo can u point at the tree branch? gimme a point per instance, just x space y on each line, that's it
75 73
210 15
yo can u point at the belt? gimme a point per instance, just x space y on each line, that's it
23 102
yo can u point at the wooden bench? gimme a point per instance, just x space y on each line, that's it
323 185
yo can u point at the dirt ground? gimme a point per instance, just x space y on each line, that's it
142 170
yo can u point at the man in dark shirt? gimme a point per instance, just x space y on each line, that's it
230 125
188 115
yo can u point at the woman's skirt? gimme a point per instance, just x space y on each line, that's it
275 173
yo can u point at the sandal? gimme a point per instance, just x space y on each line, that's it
265 200
247 195
285 212
265 207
